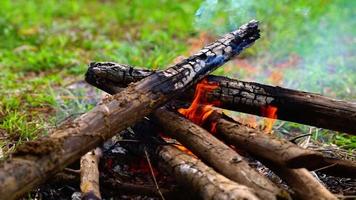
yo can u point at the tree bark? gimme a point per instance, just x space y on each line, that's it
34 162
89 175
277 150
218 155
200 178
248 97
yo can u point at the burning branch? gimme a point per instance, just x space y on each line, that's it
248 97
35 161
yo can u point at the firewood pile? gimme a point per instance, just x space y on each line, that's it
173 120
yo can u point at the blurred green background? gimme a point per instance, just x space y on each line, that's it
46 45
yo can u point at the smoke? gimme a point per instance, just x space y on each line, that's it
309 45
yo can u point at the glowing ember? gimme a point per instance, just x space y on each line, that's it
271 113
201 109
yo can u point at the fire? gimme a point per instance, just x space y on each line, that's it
271 113
201 108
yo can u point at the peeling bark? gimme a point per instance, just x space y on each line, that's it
34 162
218 155
89 175
248 97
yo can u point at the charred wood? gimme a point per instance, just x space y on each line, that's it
34 162
215 153
248 97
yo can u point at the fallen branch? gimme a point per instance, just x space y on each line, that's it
34 162
248 97
218 155
89 175
277 150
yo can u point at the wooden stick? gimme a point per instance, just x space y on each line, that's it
277 150
275 154
34 162
218 155
248 97
200 178
89 175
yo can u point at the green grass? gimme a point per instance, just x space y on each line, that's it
45 45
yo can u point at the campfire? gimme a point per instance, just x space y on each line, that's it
173 121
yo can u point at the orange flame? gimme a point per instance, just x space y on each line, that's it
271 113
201 108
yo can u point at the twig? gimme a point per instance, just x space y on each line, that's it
328 166
299 136
153 176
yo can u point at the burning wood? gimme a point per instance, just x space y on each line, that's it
248 97
34 162
211 150
266 146
89 175
278 154
218 155
189 170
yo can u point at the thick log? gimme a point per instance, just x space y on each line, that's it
249 97
218 155
200 178
34 162
278 150
89 175
275 154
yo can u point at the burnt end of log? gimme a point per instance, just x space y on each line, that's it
249 97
